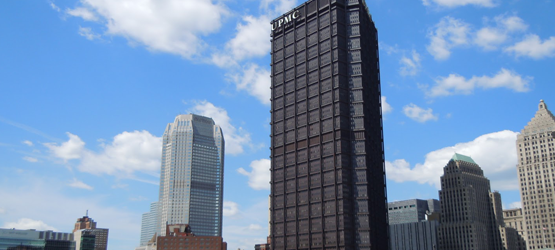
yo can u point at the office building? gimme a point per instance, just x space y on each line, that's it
89 225
411 226
513 218
328 185
536 169
468 220
149 223
191 175
180 236
414 210
15 239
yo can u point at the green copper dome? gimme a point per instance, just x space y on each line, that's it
459 157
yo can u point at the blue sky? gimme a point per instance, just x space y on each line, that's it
87 88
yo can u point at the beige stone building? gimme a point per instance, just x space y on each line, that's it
513 218
536 169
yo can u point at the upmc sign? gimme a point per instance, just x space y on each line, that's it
285 20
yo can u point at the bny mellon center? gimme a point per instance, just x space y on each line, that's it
328 187
191 176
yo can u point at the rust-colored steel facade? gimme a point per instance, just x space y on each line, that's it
328 187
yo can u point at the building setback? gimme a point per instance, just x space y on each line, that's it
191 175
535 147
328 185
409 225
468 220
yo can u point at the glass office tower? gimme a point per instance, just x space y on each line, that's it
328 185
192 175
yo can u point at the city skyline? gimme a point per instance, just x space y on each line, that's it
84 95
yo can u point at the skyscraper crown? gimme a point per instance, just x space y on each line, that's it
542 121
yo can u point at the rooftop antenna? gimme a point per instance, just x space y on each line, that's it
87 214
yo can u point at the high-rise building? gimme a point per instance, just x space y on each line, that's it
89 225
149 223
192 175
328 185
535 147
468 220
409 225
513 218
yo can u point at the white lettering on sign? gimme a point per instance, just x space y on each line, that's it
285 20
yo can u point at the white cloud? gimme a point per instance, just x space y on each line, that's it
79 184
230 208
455 84
511 23
88 33
235 138
448 34
2 211
494 152
490 37
277 7
458 3
386 108
129 152
255 80
419 114
410 66
251 39
26 223
532 46
259 177
28 143
30 159
69 150
84 13
171 26
255 227
54 7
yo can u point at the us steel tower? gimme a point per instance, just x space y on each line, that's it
191 176
536 169
328 186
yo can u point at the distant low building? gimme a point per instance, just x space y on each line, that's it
149 245
14 239
89 225
410 226
180 236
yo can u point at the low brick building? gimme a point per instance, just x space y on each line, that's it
180 237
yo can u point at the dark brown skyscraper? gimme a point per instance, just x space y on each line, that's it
328 176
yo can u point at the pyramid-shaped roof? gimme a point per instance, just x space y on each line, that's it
543 121
459 157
